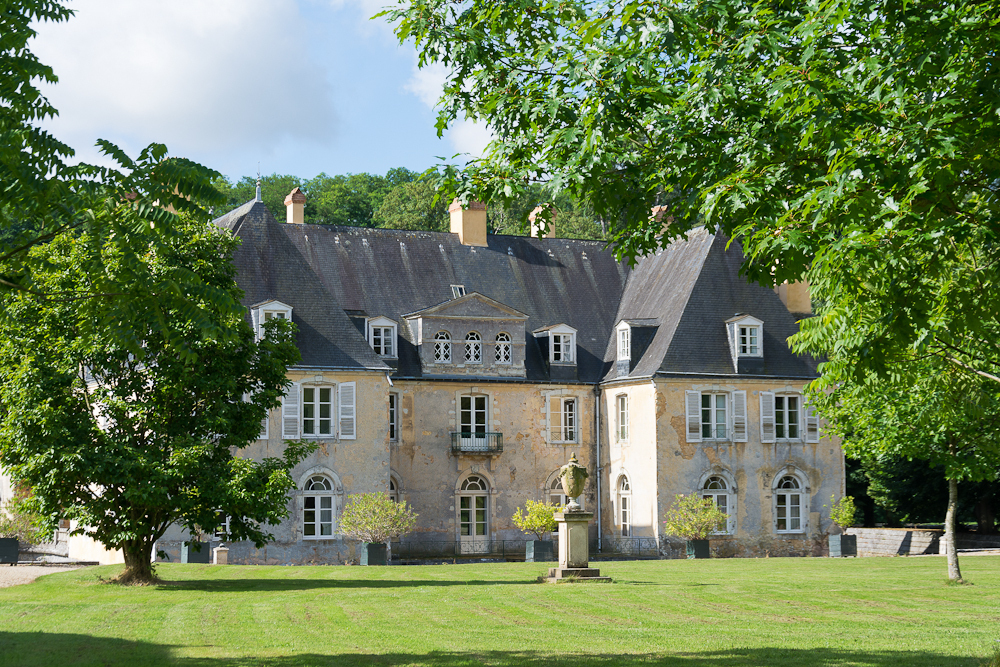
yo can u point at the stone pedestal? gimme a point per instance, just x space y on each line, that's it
574 551
220 555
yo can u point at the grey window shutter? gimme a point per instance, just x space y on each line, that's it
739 416
767 416
346 409
693 404
290 413
812 423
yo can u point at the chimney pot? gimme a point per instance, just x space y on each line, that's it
295 204
469 222
536 228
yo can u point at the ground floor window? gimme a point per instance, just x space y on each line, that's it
625 506
317 508
788 505
717 489
473 518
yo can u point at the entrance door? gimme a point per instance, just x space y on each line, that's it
473 424
473 517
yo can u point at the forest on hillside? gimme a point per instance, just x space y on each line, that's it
401 199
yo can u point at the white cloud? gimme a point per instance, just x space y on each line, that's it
203 78
466 136
427 83
470 137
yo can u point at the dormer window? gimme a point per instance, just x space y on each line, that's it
266 311
746 336
561 343
457 291
382 336
624 350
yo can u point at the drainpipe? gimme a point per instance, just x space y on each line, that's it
597 431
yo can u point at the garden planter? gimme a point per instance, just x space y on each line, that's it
189 555
539 551
698 549
372 554
8 550
843 545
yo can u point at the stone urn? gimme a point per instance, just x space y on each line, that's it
574 478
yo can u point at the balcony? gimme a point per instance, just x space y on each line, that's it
476 443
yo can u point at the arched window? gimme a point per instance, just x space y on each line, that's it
442 347
503 348
318 508
473 348
393 491
473 515
556 494
789 505
720 492
625 506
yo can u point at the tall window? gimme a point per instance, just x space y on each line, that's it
473 348
317 411
788 505
556 495
786 417
562 419
562 348
472 516
503 348
716 489
625 506
394 417
393 491
382 341
221 531
749 340
317 508
713 416
473 420
622 401
442 347
624 352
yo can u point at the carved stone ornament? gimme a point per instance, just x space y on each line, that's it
574 478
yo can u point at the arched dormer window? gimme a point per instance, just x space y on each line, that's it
503 348
442 347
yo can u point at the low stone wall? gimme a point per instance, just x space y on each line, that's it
320 552
896 541
973 541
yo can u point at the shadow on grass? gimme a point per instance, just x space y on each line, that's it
281 585
35 649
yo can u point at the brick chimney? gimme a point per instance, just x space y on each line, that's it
536 228
469 223
295 204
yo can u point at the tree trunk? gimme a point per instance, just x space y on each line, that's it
949 531
138 563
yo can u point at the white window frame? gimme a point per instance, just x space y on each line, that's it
442 347
322 499
473 348
718 403
624 349
266 311
469 442
624 513
743 330
393 417
563 348
457 291
782 497
382 337
621 418
221 531
312 419
564 422
504 350
343 411
728 494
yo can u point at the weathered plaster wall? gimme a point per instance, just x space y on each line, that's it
634 457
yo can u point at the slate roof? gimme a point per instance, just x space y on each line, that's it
334 277
687 291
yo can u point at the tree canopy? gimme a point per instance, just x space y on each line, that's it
818 135
129 439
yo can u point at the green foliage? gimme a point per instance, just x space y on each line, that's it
413 205
692 517
21 519
131 426
536 518
855 139
842 511
376 518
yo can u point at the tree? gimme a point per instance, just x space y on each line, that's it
537 518
413 205
376 518
20 519
352 199
130 438
820 136
692 517
929 410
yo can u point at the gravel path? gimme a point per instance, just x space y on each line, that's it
25 574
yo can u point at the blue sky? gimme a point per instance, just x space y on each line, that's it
298 86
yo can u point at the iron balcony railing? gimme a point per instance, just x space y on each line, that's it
476 443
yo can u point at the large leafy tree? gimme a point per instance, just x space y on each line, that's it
819 134
128 439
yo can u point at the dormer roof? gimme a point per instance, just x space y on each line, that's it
471 306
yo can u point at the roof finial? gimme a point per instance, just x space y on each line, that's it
258 182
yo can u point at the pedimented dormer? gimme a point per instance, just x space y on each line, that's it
558 345
746 338
469 335
265 311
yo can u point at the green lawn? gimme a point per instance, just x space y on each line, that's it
708 613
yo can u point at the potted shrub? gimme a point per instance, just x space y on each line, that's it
19 523
537 518
842 514
374 519
694 518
